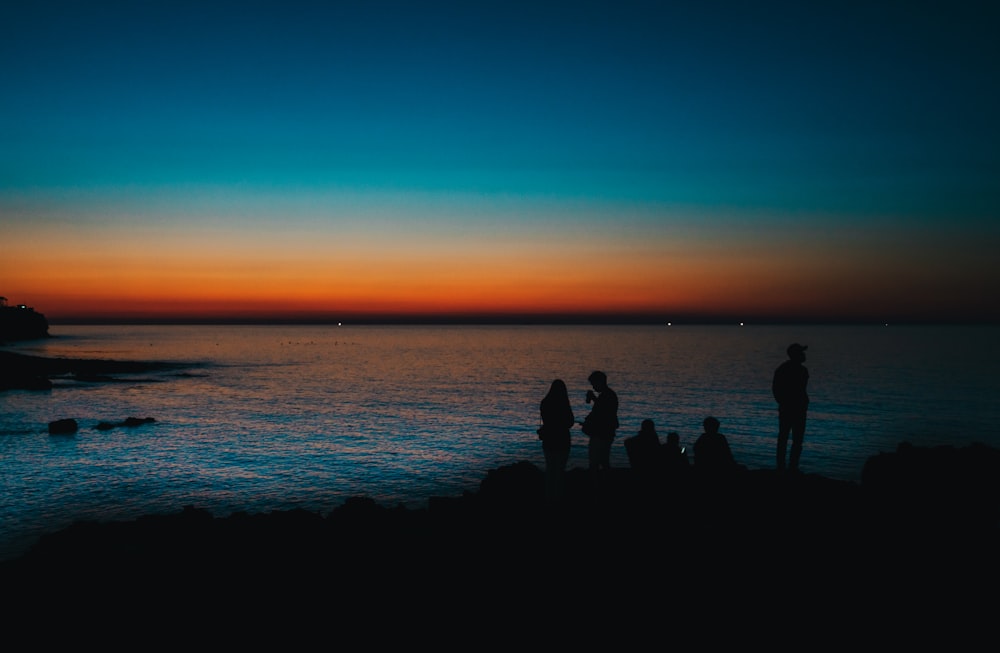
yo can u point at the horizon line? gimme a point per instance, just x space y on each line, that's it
517 321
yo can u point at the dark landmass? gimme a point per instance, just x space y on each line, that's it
24 372
917 537
21 323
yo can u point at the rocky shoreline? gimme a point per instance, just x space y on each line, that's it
914 500
21 322
909 553
26 372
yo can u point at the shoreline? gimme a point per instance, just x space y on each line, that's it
911 550
27 372
931 500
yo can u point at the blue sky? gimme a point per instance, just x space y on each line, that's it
704 129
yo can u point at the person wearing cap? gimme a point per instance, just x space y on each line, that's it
789 389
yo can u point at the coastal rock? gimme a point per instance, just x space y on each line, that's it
25 372
936 487
517 486
129 422
11 380
63 426
700 539
21 322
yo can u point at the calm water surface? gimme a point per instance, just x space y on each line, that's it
262 418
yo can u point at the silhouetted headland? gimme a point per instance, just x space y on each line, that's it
21 322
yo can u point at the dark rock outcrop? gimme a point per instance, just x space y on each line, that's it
927 489
65 426
128 422
11 379
21 323
25 372
947 494
742 559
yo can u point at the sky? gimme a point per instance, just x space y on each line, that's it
501 161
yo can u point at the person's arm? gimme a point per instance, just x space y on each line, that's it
779 386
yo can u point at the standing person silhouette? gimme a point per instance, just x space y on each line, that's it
602 421
789 389
557 420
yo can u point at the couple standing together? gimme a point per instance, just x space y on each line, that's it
600 426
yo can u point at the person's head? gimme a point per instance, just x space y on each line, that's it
598 379
558 389
797 352
711 425
673 438
647 426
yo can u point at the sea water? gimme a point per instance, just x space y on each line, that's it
274 417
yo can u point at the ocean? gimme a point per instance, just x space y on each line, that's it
258 418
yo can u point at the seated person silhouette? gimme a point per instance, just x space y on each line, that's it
674 456
712 455
643 448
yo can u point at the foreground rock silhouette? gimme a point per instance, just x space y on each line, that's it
908 556
914 506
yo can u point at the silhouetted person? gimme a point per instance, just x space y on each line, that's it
557 420
643 449
602 421
712 455
674 457
789 389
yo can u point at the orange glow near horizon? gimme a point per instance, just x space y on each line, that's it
116 269
233 284
487 285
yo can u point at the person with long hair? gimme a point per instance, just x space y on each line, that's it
557 420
